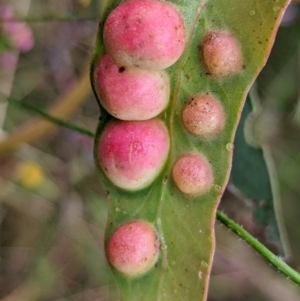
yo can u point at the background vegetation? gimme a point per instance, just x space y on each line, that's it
52 204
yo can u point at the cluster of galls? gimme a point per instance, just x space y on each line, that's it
142 38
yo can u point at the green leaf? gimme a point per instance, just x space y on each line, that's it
250 175
280 78
186 224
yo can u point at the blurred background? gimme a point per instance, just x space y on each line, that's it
52 204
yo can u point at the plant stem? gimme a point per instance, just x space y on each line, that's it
63 106
223 218
260 248
50 118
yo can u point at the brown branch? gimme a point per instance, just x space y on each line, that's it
63 107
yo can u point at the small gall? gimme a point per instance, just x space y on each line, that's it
144 33
132 153
130 93
203 116
133 248
192 174
221 54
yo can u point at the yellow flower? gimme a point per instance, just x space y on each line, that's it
29 174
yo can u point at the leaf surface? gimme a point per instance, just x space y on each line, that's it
185 225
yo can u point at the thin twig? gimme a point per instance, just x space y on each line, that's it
277 262
63 107
50 118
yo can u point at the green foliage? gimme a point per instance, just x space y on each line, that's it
250 175
280 78
5 45
185 224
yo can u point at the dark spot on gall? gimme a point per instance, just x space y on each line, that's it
121 69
